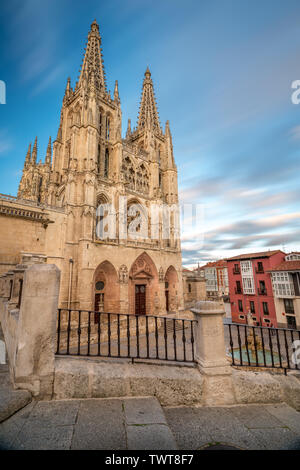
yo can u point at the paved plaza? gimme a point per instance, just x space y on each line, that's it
142 424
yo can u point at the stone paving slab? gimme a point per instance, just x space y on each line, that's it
100 425
143 411
256 417
286 416
277 438
141 424
245 426
149 437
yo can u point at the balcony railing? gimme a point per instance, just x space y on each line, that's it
236 271
238 290
259 270
262 292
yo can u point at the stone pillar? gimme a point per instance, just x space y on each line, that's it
33 368
210 354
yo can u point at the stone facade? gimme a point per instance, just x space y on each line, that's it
55 213
194 286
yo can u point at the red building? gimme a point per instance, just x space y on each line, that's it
250 287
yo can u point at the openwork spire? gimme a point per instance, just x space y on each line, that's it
148 114
49 152
34 152
28 156
92 68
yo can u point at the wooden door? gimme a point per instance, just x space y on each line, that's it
140 299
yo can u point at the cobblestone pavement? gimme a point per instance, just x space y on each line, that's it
142 424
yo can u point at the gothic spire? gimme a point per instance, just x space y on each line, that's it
128 133
92 68
68 90
116 93
28 156
48 154
34 152
148 114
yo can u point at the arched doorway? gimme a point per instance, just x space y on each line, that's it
143 286
171 289
106 289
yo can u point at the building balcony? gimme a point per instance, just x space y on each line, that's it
238 291
259 270
236 271
262 292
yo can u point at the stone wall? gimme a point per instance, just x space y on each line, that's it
29 325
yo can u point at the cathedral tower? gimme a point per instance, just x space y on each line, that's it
93 165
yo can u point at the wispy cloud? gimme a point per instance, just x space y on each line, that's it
5 142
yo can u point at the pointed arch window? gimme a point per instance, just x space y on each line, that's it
128 172
98 159
106 163
100 123
107 128
40 189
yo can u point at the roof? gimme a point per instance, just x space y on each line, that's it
262 254
287 266
222 263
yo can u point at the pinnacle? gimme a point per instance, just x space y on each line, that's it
34 151
148 114
92 67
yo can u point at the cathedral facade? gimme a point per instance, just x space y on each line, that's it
93 178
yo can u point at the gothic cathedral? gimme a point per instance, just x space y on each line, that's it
91 165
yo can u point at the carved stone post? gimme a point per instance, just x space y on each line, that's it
210 354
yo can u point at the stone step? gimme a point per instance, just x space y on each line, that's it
12 401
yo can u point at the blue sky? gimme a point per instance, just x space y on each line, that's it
222 71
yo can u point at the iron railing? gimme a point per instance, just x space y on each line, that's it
116 335
262 347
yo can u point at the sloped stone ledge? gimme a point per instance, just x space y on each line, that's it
265 387
172 385
12 401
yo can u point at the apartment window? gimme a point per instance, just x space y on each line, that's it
252 307
238 287
266 320
248 285
240 305
236 269
247 277
265 308
260 267
289 306
262 288
246 267
283 284
241 317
